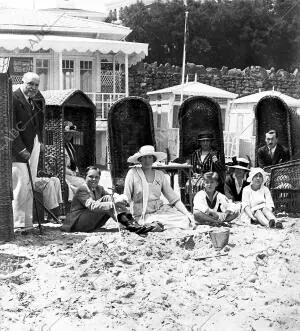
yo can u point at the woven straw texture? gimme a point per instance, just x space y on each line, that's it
295 133
6 134
198 115
74 106
271 112
130 126
285 186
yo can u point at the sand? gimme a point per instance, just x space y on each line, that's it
175 280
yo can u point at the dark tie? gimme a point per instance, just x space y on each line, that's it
30 102
32 115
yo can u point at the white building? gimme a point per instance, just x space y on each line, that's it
166 102
71 52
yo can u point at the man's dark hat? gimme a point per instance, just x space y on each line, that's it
206 136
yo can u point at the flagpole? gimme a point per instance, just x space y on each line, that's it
184 55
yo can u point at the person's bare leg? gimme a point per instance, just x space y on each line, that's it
268 213
270 216
262 219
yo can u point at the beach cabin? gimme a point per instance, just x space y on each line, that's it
166 102
241 121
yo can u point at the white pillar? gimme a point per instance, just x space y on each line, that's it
97 73
114 75
227 115
60 73
126 76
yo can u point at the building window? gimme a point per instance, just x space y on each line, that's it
111 76
86 80
18 66
42 69
68 74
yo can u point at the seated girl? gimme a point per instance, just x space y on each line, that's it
143 188
210 206
257 202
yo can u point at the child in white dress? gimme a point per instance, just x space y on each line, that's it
257 202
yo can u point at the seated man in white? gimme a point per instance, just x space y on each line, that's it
51 190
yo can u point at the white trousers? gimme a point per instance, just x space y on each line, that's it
51 189
73 184
22 191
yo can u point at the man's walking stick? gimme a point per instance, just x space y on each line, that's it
115 210
34 198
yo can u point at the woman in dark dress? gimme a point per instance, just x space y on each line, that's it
237 179
206 159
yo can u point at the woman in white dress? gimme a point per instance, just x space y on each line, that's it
143 188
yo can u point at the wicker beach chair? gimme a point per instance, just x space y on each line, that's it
295 132
271 112
285 186
77 107
6 134
197 115
130 126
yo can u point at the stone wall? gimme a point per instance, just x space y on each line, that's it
145 77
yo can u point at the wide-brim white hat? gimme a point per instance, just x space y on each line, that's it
241 163
144 151
255 171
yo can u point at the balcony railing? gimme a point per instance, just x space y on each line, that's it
103 102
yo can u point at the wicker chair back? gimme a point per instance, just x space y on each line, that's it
6 136
130 126
197 115
271 112
295 133
285 186
74 106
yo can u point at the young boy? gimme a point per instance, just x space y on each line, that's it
210 206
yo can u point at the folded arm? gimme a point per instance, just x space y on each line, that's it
94 205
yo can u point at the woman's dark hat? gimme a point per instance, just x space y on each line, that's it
206 136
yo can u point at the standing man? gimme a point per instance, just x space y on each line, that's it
272 153
28 121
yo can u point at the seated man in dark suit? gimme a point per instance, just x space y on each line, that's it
272 153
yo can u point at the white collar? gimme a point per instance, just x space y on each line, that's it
215 194
25 96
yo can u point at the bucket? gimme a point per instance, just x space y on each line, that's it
219 238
